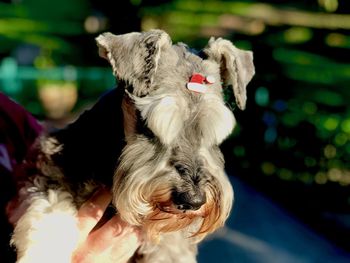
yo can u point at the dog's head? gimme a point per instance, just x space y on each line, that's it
171 172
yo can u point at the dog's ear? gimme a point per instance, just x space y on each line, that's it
134 57
236 66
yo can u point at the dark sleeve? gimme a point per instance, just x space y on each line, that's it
93 143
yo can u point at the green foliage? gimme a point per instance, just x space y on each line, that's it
42 23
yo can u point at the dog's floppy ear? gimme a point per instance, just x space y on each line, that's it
134 56
236 66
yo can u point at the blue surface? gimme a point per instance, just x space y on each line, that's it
259 231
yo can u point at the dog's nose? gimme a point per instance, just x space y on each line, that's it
191 200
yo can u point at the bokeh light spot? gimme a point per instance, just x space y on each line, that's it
262 96
91 24
291 119
270 135
285 174
306 178
280 105
269 118
309 161
321 178
268 168
336 40
345 125
239 151
334 174
340 139
329 5
331 123
309 108
330 151
297 35
286 142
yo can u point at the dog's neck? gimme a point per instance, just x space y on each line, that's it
93 143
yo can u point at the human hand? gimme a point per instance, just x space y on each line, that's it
115 241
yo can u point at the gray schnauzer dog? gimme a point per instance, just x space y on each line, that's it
160 156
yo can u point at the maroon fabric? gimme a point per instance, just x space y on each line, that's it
18 130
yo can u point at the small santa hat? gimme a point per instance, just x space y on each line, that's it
197 81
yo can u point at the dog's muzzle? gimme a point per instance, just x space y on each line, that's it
190 200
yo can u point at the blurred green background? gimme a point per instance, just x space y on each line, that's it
292 141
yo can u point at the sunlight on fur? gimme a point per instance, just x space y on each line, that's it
221 120
164 218
47 218
165 115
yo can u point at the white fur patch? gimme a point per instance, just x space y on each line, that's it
50 145
173 247
48 231
226 201
164 115
216 120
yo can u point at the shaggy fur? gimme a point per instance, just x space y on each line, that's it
169 172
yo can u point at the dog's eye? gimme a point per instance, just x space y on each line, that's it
182 170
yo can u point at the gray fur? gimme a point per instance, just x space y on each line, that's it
236 66
170 177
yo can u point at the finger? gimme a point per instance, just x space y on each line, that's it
125 249
92 211
115 229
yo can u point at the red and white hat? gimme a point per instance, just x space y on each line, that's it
198 81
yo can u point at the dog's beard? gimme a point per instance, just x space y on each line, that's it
165 217
146 178
148 203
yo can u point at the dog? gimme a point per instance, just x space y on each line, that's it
160 156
